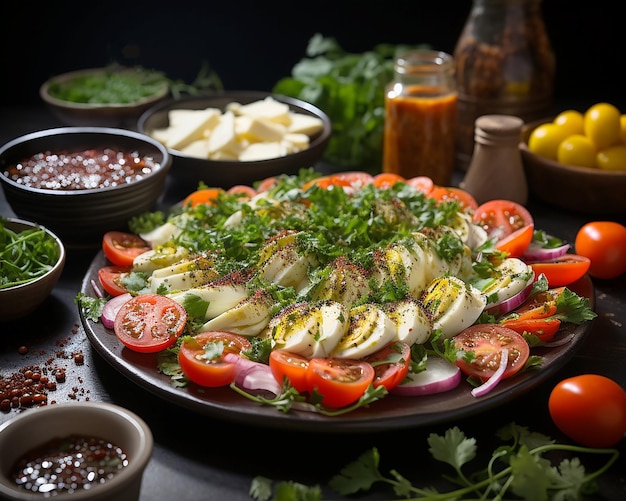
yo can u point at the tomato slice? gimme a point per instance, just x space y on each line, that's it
500 218
326 182
111 277
487 342
356 179
339 381
291 366
563 270
150 322
242 189
122 248
386 180
452 194
391 364
266 184
516 243
540 305
421 183
543 328
201 357
203 196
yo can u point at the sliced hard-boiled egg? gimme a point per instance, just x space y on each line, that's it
402 264
341 281
309 329
453 304
473 235
511 277
183 275
248 318
219 297
369 330
413 324
287 267
158 258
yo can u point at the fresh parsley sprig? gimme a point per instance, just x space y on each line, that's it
516 470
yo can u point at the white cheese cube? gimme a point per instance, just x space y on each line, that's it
198 148
223 135
262 151
295 142
192 128
304 124
268 108
258 129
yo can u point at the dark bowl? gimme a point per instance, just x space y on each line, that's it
188 171
20 300
81 217
584 190
93 114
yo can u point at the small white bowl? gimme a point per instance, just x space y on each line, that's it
36 426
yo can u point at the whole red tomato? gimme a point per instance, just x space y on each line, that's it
590 409
604 242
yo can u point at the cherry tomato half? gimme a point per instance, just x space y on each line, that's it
356 179
604 243
517 242
292 366
201 357
339 381
386 180
242 189
543 328
421 183
122 248
391 364
590 409
450 193
150 322
500 218
203 196
111 277
487 342
563 270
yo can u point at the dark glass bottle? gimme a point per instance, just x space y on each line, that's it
504 65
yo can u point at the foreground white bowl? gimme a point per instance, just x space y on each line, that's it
38 425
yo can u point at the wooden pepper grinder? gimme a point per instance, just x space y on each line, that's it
495 170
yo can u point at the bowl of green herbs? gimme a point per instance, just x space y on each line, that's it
31 262
112 96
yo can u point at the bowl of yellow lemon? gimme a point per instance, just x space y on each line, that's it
577 159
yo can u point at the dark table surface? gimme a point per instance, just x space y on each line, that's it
200 457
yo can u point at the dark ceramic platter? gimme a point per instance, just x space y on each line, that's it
392 412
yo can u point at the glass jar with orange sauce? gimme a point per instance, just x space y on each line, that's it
421 116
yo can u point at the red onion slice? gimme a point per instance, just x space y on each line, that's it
253 376
535 252
439 376
111 308
511 303
496 377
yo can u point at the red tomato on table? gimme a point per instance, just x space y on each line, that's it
590 409
122 248
201 357
452 194
339 381
150 322
604 243
487 342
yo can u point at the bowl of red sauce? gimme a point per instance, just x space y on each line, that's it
83 181
74 451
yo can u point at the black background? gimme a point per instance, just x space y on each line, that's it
251 45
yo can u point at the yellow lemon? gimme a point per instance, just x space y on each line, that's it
544 140
578 150
602 125
612 158
571 121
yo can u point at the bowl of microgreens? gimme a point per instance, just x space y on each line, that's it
115 95
31 262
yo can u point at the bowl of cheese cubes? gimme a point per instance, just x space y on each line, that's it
236 137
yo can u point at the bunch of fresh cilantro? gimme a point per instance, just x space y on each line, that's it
350 89
516 470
